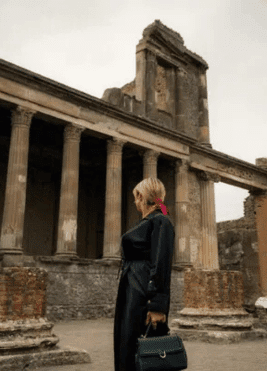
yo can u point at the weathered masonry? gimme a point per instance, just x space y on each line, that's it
69 162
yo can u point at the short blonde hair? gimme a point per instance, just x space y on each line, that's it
150 188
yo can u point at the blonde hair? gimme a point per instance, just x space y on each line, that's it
150 188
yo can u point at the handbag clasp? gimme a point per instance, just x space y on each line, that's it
164 355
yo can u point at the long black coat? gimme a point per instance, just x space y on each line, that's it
147 251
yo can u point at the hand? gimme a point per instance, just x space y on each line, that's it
155 317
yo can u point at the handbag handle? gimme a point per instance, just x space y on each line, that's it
148 328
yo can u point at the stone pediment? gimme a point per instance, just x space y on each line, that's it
168 42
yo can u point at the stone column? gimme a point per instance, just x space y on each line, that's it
68 209
208 255
150 163
15 196
261 226
204 135
112 229
182 232
180 105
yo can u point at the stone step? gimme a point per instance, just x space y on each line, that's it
223 337
214 323
28 343
31 361
25 325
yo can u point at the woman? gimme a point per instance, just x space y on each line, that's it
144 287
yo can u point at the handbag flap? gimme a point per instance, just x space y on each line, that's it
156 345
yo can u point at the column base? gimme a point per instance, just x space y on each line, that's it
218 337
111 258
213 309
26 337
218 326
11 259
66 255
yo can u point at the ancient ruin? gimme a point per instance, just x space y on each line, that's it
69 162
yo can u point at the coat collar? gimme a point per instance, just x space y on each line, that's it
151 215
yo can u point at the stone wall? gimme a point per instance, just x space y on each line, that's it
238 250
125 99
87 289
191 96
129 89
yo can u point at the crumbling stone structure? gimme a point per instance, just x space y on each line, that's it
69 162
26 338
239 250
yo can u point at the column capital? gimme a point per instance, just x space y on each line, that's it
73 132
206 176
115 145
22 116
151 154
181 164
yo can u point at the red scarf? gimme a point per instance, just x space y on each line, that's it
160 203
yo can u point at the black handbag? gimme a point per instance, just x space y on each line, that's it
160 353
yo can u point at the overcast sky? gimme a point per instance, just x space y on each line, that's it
90 46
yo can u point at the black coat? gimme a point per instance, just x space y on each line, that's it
147 251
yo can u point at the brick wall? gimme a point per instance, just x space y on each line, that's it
22 293
213 289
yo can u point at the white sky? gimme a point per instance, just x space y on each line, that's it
90 45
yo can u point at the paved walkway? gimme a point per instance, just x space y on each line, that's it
96 337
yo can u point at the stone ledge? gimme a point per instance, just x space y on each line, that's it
213 312
58 357
79 261
209 323
219 337
106 262
10 346
25 325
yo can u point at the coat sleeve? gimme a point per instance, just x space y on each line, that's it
162 244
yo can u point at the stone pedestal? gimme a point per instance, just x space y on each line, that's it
213 309
26 338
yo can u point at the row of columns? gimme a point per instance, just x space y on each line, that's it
15 197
